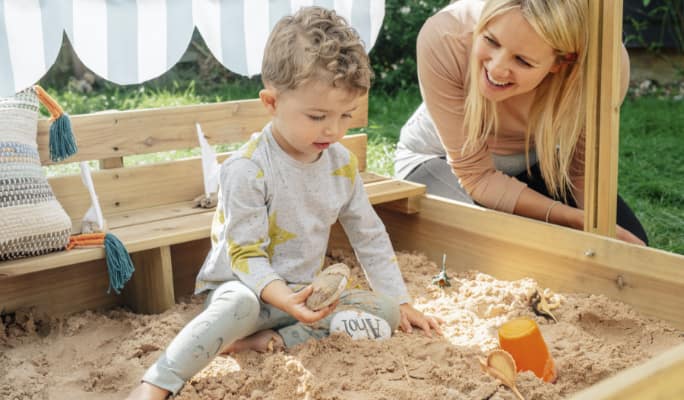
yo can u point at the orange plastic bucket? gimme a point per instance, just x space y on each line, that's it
522 338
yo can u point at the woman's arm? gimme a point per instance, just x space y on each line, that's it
532 204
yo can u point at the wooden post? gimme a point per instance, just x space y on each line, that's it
150 290
603 116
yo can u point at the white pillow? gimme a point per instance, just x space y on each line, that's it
32 222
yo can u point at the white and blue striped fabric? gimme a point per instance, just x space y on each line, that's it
131 41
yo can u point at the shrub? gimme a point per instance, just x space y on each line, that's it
656 25
394 54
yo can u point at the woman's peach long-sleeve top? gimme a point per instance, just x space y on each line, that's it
443 49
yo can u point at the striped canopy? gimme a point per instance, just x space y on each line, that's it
131 41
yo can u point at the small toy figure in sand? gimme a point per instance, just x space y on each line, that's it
542 305
442 279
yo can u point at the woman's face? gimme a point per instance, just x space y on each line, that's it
513 58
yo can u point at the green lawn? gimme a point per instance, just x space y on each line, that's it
651 172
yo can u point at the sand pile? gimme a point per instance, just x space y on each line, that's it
102 355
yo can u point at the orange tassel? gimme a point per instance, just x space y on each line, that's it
55 109
119 264
62 140
86 240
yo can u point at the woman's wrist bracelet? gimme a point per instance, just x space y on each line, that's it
548 210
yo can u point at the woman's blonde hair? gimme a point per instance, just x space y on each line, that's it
557 115
315 43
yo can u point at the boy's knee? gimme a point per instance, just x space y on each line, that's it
238 304
391 312
375 303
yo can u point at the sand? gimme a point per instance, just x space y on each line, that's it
102 355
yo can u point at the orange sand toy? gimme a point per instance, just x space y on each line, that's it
522 338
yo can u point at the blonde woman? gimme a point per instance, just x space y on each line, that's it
503 111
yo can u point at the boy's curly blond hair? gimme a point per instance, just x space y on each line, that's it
315 43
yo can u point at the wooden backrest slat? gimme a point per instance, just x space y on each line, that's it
121 190
125 189
114 134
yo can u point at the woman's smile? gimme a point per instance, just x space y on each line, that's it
499 84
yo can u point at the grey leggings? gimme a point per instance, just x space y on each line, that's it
232 312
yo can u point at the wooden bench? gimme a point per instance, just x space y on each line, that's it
150 207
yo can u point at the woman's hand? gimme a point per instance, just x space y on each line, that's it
411 317
620 232
627 236
574 218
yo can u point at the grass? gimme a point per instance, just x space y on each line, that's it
651 170
651 143
386 115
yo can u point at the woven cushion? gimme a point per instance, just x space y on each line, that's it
32 222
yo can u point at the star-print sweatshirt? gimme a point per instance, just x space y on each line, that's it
274 216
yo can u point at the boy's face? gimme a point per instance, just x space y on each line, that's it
307 120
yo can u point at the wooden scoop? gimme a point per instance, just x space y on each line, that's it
500 365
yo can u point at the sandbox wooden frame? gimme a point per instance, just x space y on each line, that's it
505 246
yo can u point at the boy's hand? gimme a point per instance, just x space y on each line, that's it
411 317
279 295
296 306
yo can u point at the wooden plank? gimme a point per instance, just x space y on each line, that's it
150 290
658 378
392 189
603 116
166 232
122 190
11 269
357 144
123 133
136 238
609 114
168 225
511 247
410 205
592 93
370 177
153 214
73 288
169 211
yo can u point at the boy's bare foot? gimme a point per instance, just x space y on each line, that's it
263 341
146 391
